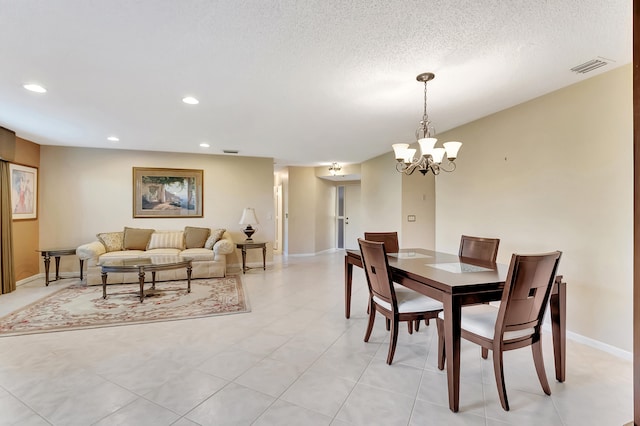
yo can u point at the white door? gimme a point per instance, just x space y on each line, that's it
352 222
277 244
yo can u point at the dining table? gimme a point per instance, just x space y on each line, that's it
458 281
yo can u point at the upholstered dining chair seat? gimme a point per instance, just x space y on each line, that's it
481 320
410 301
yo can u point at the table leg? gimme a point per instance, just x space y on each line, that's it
244 259
81 268
348 276
189 278
57 267
47 262
153 280
264 258
141 277
104 285
452 348
558 307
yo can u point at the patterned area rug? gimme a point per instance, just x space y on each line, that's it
78 307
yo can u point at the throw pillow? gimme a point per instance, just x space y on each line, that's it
112 241
168 239
136 238
195 237
214 238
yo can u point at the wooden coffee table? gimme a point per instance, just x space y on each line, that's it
151 264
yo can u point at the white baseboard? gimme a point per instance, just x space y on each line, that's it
40 276
332 250
604 347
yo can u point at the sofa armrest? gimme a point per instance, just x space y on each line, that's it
224 245
91 250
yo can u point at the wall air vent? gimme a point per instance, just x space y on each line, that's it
590 65
230 151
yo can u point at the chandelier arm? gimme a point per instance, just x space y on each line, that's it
452 167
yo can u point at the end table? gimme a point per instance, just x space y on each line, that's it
250 244
48 253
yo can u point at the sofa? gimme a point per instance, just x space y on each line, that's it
206 248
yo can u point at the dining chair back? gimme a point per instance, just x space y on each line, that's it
479 248
390 240
406 305
517 322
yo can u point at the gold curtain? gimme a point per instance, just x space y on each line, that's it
7 275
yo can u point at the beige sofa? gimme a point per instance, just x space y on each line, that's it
207 248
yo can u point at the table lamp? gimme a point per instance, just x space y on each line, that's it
249 218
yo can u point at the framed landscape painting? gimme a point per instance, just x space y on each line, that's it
167 192
24 192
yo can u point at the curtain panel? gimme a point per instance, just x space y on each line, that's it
7 274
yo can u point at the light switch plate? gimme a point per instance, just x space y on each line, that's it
411 218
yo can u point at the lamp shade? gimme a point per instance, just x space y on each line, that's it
249 217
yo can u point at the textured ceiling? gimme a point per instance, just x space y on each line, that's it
305 82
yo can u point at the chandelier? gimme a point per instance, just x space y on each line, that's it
334 169
430 158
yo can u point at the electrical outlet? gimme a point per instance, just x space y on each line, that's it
411 218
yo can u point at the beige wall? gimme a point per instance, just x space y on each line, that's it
418 195
310 212
555 173
86 191
381 196
301 214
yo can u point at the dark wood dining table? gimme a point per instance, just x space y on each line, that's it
458 281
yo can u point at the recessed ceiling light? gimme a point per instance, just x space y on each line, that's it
113 139
205 145
35 88
190 100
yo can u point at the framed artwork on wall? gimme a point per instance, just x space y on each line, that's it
167 192
24 192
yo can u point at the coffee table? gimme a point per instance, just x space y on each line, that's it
151 264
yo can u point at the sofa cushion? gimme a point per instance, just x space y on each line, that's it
112 241
167 239
195 237
162 252
123 254
136 238
198 254
214 238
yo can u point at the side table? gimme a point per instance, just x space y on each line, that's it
246 245
56 253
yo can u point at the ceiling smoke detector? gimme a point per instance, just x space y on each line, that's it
591 65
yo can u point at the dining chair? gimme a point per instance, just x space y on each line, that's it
395 306
517 322
391 245
479 248
390 240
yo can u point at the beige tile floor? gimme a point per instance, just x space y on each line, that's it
294 360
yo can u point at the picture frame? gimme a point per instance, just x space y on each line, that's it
166 193
24 191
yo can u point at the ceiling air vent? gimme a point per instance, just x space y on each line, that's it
590 65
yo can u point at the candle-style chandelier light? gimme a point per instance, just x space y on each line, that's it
430 158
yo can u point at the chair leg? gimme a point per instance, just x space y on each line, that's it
426 322
410 324
417 325
388 322
485 353
441 354
393 340
372 319
499 373
538 360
